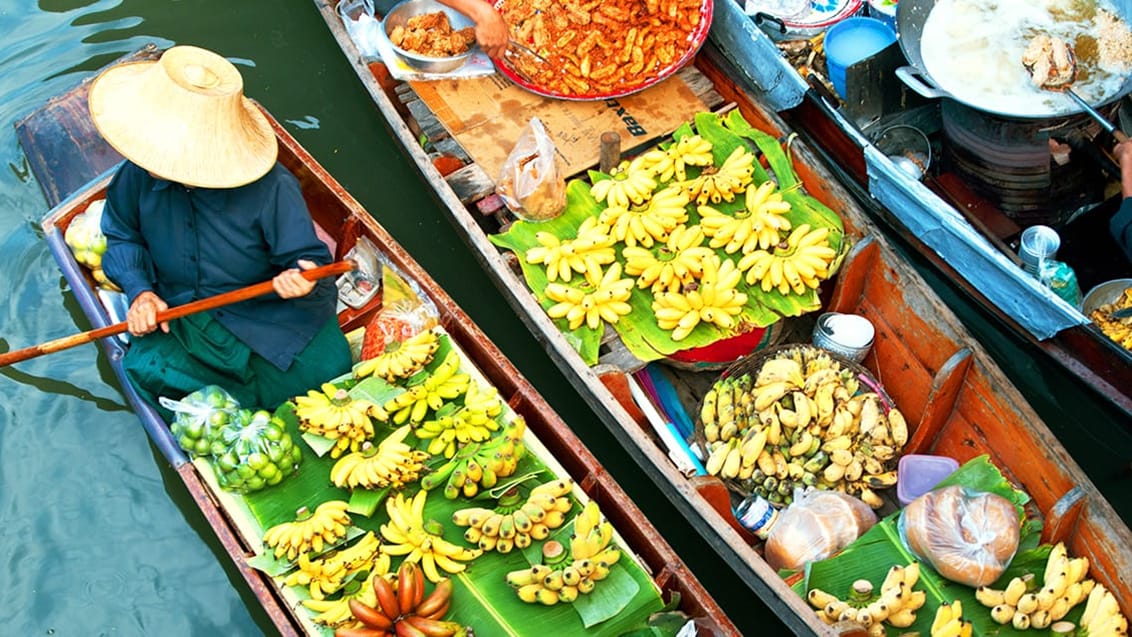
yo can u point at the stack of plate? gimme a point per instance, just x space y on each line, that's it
802 19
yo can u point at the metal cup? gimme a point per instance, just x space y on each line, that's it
849 335
1038 244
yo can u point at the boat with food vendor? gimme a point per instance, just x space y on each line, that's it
756 344
976 159
428 490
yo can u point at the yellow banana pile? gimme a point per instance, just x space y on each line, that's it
669 267
1064 585
309 531
895 605
515 522
798 264
480 464
401 359
628 184
591 249
714 300
949 621
670 163
336 613
1102 616
325 575
649 222
564 575
330 412
607 300
758 225
442 385
473 422
801 421
408 534
722 184
392 463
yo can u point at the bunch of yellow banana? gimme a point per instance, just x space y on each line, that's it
1102 616
627 184
391 463
324 575
591 249
722 184
480 464
671 162
895 605
820 429
515 522
443 384
668 267
401 359
759 224
421 542
798 264
330 412
309 531
335 613
564 575
949 621
649 222
473 422
715 300
1064 585
607 301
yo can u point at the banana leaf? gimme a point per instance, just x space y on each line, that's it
482 598
638 330
871 556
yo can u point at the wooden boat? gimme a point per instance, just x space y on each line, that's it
64 149
957 399
971 240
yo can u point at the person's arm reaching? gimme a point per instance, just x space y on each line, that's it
491 31
1121 224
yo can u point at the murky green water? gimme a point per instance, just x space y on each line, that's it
97 534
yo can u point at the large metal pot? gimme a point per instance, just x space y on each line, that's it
910 18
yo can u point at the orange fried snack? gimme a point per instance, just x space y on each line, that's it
600 47
431 35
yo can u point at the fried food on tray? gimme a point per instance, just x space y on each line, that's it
431 35
1119 330
598 47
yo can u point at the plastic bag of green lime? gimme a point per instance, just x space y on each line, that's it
254 451
198 417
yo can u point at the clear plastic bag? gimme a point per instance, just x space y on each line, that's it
357 287
815 526
968 536
255 452
405 311
198 418
531 182
362 26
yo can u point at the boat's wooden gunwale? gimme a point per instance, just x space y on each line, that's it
932 363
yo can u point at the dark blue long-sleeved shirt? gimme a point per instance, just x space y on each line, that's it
186 244
1121 227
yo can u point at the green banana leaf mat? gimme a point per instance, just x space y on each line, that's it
638 330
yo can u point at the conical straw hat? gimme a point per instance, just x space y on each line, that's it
184 118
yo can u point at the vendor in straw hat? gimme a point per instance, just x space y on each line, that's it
199 208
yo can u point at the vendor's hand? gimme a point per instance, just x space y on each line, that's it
142 315
491 31
1123 154
290 284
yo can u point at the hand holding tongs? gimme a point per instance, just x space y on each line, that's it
524 49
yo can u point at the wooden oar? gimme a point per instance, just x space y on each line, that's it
212 302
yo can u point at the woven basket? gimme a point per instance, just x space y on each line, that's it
753 364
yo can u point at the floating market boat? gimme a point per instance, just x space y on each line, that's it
956 400
992 174
74 166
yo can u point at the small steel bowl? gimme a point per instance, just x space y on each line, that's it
1107 292
399 16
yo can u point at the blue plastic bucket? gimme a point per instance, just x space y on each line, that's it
850 41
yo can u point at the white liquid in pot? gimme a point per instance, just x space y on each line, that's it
973 50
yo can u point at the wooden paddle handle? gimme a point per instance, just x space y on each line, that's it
194 307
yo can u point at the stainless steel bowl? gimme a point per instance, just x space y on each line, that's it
1102 293
400 14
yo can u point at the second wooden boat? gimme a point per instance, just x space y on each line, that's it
957 400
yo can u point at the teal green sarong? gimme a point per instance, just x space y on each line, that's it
199 351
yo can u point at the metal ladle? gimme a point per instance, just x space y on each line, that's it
1066 87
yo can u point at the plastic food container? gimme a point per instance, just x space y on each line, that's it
918 473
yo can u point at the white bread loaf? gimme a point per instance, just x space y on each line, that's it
816 526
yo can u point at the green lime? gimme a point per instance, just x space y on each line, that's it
201 447
297 455
276 454
194 429
255 483
256 460
227 461
218 418
217 447
187 443
275 479
273 433
268 471
244 471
